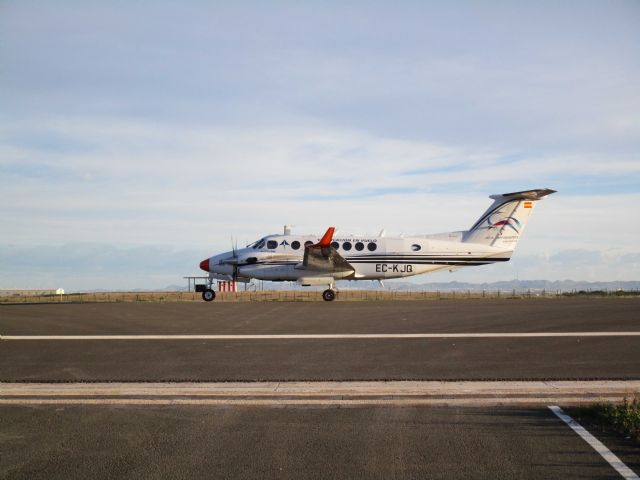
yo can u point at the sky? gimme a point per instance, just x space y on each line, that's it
137 138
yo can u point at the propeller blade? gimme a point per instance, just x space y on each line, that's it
234 259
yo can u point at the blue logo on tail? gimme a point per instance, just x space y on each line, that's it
510 222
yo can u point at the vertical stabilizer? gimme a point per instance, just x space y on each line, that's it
503 223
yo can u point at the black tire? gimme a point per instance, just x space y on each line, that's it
208 295
329 295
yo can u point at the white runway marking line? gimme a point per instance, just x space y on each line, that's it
597 445
321 336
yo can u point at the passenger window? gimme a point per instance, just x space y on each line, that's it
335 245
359 246
372 246
272 244
415 247
307 243
346 246
295 244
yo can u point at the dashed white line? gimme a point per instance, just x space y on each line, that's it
320 336
596 444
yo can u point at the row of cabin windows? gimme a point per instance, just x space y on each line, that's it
359 246
272 244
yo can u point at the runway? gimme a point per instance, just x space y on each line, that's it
278 318
435 389
560 339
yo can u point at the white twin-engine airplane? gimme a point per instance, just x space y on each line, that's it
310 260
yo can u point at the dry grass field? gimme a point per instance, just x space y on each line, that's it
273 296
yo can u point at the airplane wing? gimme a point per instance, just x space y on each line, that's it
323 258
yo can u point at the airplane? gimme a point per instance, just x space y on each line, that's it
310 260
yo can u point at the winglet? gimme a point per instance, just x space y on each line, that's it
326 239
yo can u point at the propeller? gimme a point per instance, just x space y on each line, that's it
233 260
234 249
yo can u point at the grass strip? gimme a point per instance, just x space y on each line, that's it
623 418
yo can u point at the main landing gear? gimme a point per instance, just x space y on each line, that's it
329 295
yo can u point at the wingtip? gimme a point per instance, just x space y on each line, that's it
326 238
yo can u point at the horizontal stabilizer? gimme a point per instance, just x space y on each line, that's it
524 195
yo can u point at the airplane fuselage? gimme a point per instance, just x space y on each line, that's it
279 257
311 260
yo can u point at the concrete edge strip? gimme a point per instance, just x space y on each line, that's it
324 388
389 387
596 444
329 398
322 393
321 336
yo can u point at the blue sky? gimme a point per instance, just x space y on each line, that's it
137 137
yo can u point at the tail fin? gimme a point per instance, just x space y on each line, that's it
503 223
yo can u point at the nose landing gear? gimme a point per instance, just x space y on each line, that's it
206 290
208 295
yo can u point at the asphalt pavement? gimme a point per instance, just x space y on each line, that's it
576 357
195 433
507 315
204 442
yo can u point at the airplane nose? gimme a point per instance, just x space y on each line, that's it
204 265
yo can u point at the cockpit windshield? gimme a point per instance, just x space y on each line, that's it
258 244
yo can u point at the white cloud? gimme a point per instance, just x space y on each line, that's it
123 128
137 179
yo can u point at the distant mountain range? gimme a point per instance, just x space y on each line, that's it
520 285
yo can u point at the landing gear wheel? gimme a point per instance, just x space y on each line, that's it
329 295
208 295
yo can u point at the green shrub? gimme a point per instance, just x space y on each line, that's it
624 418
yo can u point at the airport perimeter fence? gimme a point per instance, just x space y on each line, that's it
309 296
